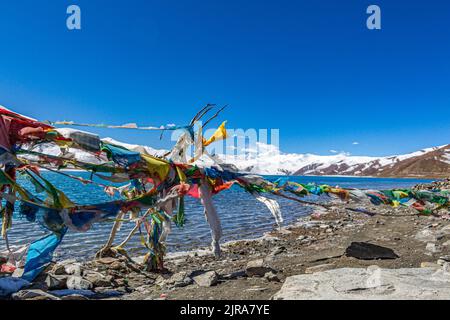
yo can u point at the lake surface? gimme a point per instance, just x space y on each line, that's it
242 216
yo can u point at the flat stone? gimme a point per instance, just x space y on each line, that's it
78 283
206 279
430 265
320 267
257 268
33 294
367 284
368 251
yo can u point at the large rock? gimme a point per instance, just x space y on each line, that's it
368 251
177 280
78 283
257 268
97 279
56 282
60 268
372 283
206 279
73 269
180 279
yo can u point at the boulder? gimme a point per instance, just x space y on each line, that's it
78 283
206 279
180 279
177 280
257 268
372 283
73 269
97 279
56 282
60 268
368 251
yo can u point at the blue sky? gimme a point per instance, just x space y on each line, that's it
309 68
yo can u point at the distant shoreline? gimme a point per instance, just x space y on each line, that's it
304 176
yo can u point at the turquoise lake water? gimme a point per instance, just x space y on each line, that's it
242 216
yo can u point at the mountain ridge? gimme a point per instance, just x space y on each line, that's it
266 159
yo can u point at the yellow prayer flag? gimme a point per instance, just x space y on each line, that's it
220 134
158 166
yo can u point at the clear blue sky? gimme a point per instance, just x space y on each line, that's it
310 68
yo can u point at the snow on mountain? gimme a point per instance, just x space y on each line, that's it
430 162
267 159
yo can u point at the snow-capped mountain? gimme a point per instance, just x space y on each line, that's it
268 160
431 162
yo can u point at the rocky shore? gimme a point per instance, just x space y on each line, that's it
298 261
